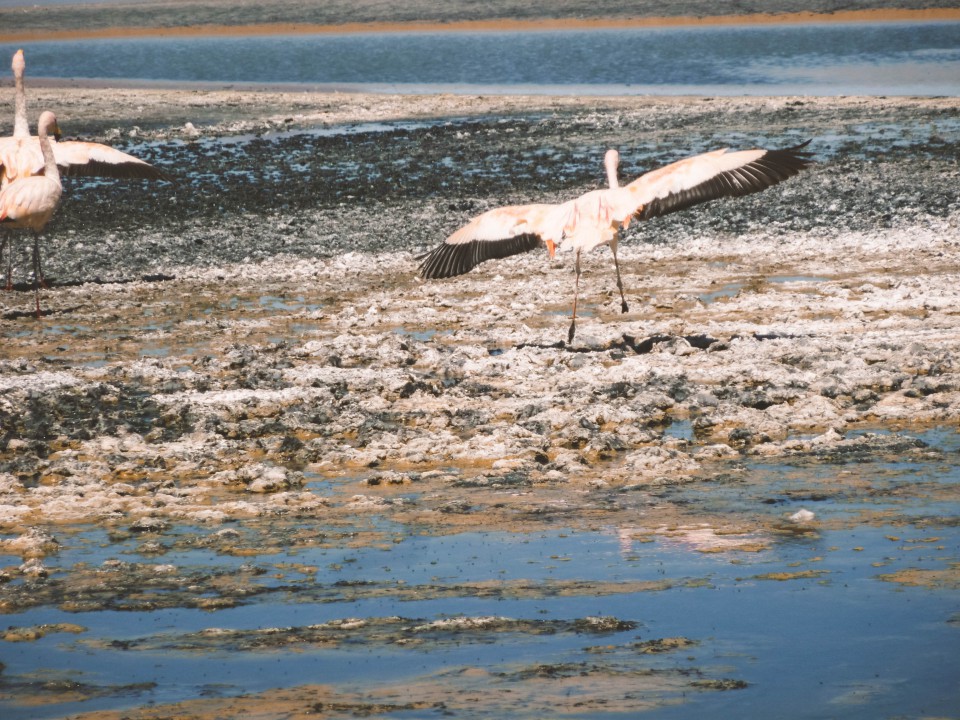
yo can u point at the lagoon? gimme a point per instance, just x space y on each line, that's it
796 59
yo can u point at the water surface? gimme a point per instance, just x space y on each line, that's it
895 58
809 622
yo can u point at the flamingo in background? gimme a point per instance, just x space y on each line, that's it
21 155
28 203
596 218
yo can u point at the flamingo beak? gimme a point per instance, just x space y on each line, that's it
551 248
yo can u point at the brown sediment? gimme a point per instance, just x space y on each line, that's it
540 691
29 634
629 682
946 578
492 25
798 575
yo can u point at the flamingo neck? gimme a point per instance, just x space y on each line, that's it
612 162
21 128
50 168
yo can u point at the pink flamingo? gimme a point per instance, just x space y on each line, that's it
596 218
21 155
28 203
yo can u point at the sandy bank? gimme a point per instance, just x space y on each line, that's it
489 25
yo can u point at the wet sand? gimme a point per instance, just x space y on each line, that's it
258 412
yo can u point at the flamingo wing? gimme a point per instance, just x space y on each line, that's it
14 162
78 158
711 176
495 234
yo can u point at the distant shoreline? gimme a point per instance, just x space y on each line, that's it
496 25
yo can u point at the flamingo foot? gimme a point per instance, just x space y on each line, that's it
623 306
571 332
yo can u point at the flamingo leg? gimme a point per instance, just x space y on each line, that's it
576 294
38 271
623 300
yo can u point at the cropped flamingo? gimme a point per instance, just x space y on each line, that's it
597 217
28 203
20 154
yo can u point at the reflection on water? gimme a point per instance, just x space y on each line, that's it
895 58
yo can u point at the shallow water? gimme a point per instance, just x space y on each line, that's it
805 621
889 58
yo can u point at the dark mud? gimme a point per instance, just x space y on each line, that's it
404 186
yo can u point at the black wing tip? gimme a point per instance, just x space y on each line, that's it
790 160
130 171
796 152
772 168
449 260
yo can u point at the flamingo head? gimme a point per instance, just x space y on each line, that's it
18 65
611 162
48 124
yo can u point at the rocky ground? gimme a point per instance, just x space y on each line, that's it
215 351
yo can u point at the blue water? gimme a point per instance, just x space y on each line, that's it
842 643
897 58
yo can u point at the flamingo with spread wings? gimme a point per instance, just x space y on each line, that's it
28 203
21 155
596 218
505 231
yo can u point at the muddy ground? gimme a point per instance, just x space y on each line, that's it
244 363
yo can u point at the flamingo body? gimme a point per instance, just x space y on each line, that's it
599 215
29 203
16 160
21 156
